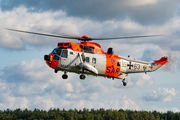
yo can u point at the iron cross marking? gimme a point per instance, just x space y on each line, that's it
129 65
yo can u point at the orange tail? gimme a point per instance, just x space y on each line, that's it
162 61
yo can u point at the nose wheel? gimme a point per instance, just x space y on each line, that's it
65 76
55 71
124 83
82 77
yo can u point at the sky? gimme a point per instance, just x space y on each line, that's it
27 82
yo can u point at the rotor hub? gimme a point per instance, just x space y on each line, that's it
85 36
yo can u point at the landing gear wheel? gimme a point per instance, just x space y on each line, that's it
64 76
124 83
55 71
82 77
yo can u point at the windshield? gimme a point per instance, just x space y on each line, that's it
56 51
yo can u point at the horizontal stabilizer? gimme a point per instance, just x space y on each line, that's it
162 61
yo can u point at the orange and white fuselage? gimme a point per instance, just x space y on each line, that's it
89 58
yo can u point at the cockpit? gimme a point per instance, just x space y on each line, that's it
56 51
59 52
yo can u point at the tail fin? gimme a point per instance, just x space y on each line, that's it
158 63
162 61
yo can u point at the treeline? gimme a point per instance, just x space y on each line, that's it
86 114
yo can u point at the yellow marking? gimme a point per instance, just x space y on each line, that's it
51 58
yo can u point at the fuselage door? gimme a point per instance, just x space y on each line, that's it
64 56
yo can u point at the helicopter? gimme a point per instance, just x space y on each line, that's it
88 58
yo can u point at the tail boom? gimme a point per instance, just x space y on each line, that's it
158 63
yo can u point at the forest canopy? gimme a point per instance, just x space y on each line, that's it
86 114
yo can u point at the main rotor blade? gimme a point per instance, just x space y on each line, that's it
59 36
81 38
128 37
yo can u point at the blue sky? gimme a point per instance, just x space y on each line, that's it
27 82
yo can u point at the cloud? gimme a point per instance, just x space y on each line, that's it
140 80
46 21
164 110
158 52
129 104
59 22
33 84
162 94
26 83
8 100
145 12
33 71
136 3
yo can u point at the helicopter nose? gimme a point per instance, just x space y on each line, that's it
47 57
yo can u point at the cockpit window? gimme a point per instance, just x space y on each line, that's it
64 53
56 51
60 52
56 57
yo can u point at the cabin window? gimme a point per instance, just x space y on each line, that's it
60 44
66 44
71 53
118 64
87 59
94 60
64 53
87 49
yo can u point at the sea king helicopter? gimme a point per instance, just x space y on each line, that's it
88 58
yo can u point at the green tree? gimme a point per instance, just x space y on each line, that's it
145 115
